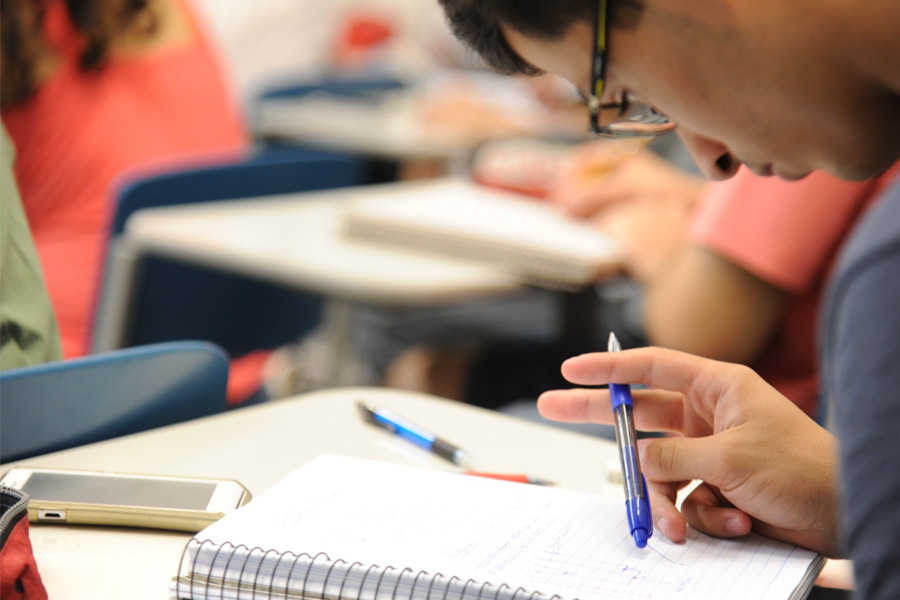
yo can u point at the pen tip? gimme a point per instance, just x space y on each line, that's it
640 537
613 344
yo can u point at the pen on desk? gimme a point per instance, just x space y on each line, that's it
421 437
516 477
637 505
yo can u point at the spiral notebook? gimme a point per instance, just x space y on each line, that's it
351 529
468 220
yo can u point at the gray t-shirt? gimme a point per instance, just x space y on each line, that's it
860 344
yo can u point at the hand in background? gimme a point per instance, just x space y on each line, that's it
650 231
600 174
765 465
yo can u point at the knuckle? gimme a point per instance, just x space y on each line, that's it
664 456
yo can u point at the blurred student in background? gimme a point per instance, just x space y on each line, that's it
91 89
732 271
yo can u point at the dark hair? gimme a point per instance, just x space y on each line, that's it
477 23
99 21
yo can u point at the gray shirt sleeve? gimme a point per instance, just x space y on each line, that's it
861 377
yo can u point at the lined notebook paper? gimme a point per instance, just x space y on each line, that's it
354 529
473 221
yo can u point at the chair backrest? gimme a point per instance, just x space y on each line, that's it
62 404
364 88
169 300
353 87
280 171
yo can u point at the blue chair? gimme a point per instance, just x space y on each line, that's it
67 403
163 300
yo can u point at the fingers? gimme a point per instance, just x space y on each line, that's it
702 508
656 410
655 367
576 406
666 517
706 511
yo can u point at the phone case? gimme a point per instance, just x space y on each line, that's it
77 513
73 513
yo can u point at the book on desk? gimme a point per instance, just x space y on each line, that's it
344 528
458 217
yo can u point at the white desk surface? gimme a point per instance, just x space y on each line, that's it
260 445
390 129
444 117
296 240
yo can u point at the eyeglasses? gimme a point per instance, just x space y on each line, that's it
625 118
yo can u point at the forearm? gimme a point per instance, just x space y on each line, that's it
703 304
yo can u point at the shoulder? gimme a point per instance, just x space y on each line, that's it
860 315
875 241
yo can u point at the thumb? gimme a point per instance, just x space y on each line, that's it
680 459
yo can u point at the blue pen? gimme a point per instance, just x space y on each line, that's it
413 433
637 506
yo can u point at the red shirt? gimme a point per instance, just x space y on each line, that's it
83 130
787 234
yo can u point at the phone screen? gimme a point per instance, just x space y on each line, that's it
120 491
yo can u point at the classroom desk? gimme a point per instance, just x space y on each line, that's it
387 129
442 118
260 445
292 240
296 240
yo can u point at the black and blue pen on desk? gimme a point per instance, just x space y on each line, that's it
423 438
637 504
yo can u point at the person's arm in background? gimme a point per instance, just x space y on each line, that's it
752 243
694 299
704 304
717 271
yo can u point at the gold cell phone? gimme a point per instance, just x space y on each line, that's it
105 498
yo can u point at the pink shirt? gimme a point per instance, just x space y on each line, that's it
787 234
82 130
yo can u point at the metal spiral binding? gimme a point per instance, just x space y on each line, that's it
337 562
449 583
462 594
384 572
255 573
399 581
274 571
431 584
344 581
212 564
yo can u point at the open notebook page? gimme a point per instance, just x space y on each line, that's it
572 544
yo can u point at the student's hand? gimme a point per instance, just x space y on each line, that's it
650 232
600 174
765 465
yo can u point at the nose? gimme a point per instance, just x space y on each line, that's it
713 158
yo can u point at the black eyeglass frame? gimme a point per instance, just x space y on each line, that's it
641 120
